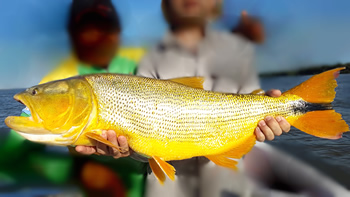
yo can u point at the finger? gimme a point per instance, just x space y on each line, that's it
284 124
259 135
124 146
273 125
244 13
112 137
274 93
85 150
266 130
101 147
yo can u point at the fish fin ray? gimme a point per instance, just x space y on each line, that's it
226 159
325 124
223 161
319 88
194 82
158 172
99 138
241 149
168 169
258 92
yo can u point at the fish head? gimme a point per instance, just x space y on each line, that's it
59 111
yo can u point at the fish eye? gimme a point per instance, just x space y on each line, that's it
34 91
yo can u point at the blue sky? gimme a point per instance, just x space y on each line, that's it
300 33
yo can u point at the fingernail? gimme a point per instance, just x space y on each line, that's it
262 123
268 118
279 119
260 135
78 149
104 134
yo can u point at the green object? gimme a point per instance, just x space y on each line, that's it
56 168
118 65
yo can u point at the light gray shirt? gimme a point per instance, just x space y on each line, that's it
225 60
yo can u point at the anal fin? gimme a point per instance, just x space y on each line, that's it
99 138
226 159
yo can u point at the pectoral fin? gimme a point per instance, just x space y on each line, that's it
159 167
158 172
98 138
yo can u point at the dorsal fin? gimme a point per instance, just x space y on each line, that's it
194 82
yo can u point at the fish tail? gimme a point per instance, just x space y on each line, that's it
318 118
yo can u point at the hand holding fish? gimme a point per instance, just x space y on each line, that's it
103 149
271 127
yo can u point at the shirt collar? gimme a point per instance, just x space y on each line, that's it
169 39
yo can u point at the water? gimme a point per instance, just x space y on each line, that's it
334 152
8 106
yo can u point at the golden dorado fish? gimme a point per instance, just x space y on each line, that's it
170 119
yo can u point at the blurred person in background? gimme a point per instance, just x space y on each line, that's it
94 29
191 48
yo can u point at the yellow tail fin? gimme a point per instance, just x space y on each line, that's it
320 89
325 124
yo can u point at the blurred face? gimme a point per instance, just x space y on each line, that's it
195 10
95 46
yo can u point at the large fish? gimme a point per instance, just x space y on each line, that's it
170 119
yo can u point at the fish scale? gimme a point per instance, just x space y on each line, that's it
169 113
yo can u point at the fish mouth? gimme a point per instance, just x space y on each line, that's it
32 131
32 128
22 124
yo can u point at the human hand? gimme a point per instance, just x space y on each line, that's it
103 149
271 127
251 28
